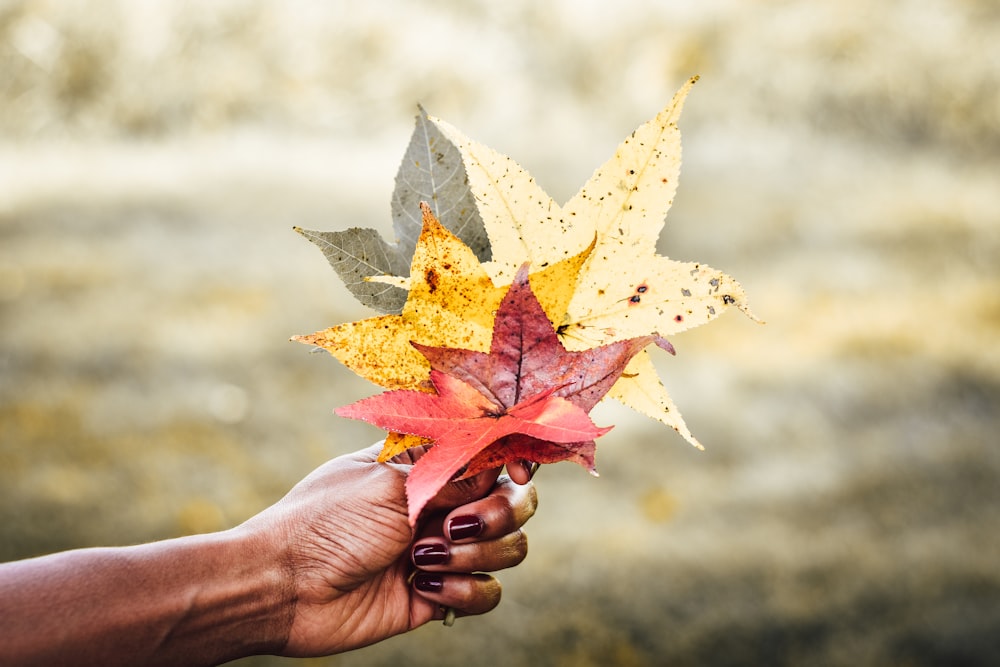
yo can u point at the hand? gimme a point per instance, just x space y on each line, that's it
357 574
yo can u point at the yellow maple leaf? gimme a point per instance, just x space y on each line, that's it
624 289
451 303
397 443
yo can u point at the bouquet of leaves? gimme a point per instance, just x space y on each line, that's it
506 317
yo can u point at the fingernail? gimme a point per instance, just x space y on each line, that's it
464 527
430 554
428 582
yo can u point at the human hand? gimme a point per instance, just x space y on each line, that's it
356 570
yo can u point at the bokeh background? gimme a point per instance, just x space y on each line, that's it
842 159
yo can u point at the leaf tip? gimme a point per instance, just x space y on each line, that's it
664 344
693 441
744 308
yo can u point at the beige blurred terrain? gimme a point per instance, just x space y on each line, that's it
841 159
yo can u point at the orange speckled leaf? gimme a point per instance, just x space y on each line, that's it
451 303
397 443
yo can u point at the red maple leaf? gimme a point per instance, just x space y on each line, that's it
526 399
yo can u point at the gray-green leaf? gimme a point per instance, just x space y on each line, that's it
356 254
432 171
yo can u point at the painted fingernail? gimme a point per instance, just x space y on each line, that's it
430 554
464 527
428 582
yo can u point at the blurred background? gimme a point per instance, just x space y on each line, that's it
841 159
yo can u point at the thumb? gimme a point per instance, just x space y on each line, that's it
463 491
456 492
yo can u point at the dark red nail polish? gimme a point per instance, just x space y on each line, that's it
430 554
428 582
464 527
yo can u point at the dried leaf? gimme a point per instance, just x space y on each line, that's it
431 171
528 385
462 422
451 303
520 447
624 289
640 388
357 254
397 443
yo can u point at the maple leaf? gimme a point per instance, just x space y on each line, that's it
527 398
431 171
624 289
451 302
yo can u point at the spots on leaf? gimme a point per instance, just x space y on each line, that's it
637 297
432 279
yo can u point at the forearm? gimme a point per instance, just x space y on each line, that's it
197 600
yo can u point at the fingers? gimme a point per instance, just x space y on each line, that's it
521 472
481 536
490 556
468 594
504 510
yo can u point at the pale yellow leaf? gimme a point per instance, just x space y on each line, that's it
522 221
640 388
616 298
624 289
627 198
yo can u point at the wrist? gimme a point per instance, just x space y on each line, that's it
264 588
234 601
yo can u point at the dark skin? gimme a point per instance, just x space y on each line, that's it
329 568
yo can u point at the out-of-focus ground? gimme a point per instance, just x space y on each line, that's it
841 159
